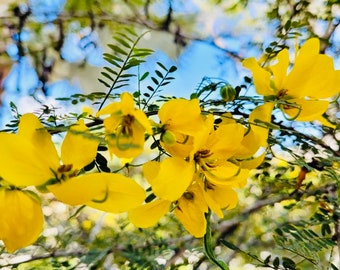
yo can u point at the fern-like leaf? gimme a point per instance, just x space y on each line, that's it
124 55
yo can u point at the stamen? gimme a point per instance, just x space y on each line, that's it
282 93
65 168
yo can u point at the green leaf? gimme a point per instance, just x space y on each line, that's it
113 57
162 66
111 70
113 62
159 74
144 76
100 159
122 42
106 75
150 198
276 262
288 263
287 25
165 83
325 229
124 36
120 86
229 245
334 267
154 80
117 49
172 69
267 259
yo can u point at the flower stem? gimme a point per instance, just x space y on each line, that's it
208 246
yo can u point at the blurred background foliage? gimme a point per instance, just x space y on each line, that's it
288 215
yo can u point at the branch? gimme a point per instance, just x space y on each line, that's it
228 226
54 254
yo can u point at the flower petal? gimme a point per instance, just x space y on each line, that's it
128 105
147 215
151 170
113 108
258 135
122 194
32 130
143 120
173 178
77 139
261 77
190 211
125 145
182 116
21 219
21 163
226 140
280 69
305 110
220 197
80 189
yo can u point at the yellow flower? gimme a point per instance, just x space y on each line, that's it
301 91
125 127
30 158
21 219
191 185
189 209
214 158
182 124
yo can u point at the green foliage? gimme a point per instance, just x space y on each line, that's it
162 77
124 56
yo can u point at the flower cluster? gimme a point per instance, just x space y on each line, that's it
203 156
302 93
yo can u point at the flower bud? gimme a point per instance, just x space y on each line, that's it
228 93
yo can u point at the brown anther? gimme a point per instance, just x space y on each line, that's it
127 122
282 93
202 154
65 168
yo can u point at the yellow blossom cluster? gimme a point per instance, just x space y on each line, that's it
203 160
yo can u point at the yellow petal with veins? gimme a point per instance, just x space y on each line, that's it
81 189
122 194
